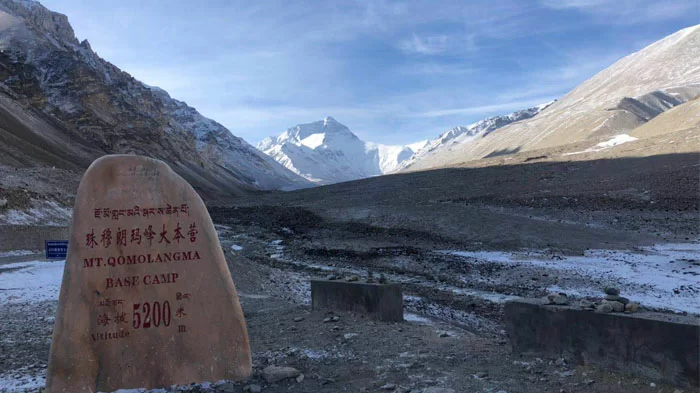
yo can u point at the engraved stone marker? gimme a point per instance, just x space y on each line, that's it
147 299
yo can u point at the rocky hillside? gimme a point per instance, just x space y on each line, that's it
62 106
614 102
326 152
452 138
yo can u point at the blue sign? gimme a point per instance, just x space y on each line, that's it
56 249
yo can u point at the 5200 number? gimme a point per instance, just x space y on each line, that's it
154 314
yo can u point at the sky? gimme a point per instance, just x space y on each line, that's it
394 72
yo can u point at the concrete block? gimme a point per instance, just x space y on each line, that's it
379 301
662 347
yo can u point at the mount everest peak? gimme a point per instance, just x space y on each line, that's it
326 152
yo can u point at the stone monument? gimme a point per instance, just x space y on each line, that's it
147 299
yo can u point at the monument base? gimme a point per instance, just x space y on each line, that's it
380 301
658 346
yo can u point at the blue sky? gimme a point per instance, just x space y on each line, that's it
395 72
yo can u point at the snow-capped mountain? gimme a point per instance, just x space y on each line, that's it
461 134
620 98
64 106
326 152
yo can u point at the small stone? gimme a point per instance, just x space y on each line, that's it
353 278
561 362
382 279
253 388
327 319
652 385
589 382
586 305
677 391
481 375
444 334
331 277
632 307
561 300
300 378
274 374
388 386
616 298
348 336
434 389
604 308
298 319
335 318
616 306
611 291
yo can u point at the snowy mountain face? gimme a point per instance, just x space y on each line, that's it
326 152
77 107
461 134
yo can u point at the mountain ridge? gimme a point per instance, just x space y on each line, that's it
615 101
77 107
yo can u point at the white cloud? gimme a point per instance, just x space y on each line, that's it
627 12
426 45
483 109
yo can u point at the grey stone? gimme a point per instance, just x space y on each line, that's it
585 304
353 278
611 291
561 300
604 308
434 389
616 306
253 388
481 375
300 378
632 307
274 374
388 386
298 319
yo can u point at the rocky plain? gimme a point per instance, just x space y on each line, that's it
460 241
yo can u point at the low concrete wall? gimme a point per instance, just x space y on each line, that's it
662 347
380 301
29 237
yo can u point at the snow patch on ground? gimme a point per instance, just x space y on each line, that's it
409 317
48 213
236 247
30 282
21 380
665 276
17 253
616 140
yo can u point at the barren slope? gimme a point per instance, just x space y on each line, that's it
615 101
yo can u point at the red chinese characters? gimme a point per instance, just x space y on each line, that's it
137 235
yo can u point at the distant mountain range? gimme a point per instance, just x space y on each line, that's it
616 101
62 106
326 151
